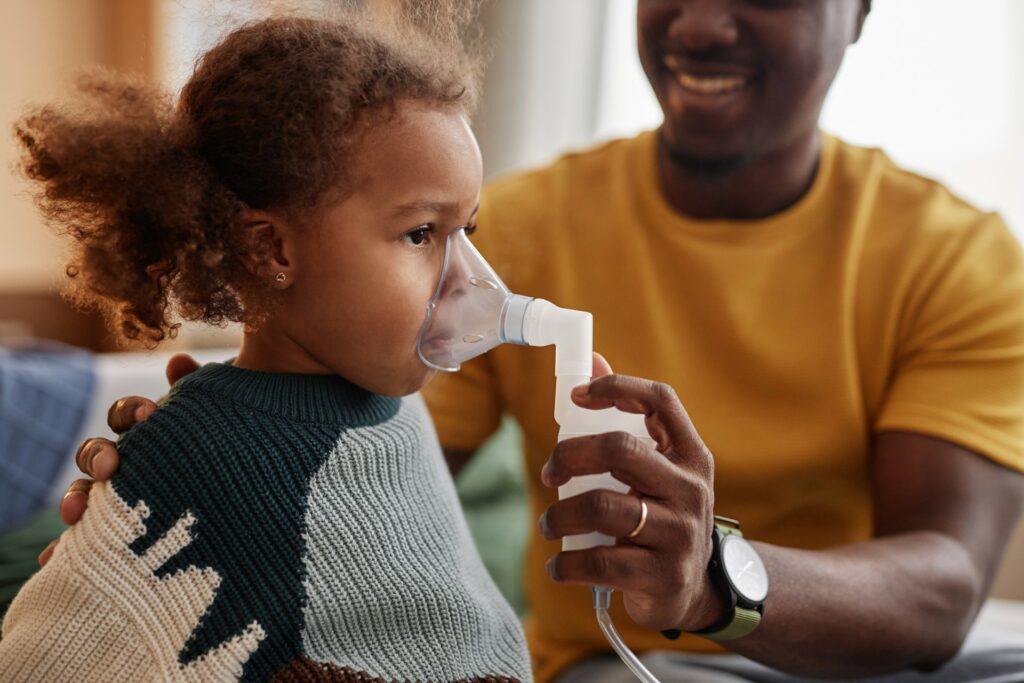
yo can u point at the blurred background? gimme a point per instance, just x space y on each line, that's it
938 85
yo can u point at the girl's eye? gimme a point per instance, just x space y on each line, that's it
419 236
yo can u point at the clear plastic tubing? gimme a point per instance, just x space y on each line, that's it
602 601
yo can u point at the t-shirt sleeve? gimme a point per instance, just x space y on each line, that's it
959 375
464 405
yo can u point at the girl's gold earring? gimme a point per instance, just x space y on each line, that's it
281 277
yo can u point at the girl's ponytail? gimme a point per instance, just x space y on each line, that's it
117 171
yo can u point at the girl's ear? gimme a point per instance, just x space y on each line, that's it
266 248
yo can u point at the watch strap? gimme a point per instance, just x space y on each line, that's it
743 623
727 526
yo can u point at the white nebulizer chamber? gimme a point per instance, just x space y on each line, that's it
571 332
472 312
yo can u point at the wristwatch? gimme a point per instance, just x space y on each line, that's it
738 571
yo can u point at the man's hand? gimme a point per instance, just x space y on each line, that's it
98 457
662 572
907 597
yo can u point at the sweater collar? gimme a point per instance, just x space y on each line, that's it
307 398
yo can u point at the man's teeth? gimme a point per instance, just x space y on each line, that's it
711 85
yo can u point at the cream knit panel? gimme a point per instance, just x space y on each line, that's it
97 611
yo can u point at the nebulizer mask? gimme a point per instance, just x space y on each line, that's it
472 312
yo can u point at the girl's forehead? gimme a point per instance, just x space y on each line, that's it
420 153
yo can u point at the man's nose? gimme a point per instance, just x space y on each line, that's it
701 25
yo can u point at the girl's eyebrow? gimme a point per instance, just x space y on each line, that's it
427 205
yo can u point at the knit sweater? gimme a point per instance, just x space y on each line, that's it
268 526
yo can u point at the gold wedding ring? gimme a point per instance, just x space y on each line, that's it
643 519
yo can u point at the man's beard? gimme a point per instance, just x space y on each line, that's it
710 168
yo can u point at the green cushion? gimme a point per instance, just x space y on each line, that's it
19 552
492 488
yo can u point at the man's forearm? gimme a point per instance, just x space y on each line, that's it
456 460
893 603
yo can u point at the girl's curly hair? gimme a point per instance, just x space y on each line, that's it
151 190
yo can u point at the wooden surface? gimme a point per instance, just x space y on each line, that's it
43 315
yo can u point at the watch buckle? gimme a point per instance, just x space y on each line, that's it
727 521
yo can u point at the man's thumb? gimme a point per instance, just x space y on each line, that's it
179 365
601 366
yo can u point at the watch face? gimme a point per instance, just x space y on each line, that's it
744 568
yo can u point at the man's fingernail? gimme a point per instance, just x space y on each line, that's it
552 572
141 413
90 454
101 458
581 391
70 493
542 524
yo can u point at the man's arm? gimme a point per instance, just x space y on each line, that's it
908 597
904 599
457 459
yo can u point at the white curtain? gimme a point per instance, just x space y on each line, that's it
543 84
941 89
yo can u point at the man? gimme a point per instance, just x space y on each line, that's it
847 339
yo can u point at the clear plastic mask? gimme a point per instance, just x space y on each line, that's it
467 314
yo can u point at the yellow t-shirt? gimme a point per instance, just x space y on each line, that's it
878 302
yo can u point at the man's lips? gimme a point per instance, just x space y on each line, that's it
708 78
716 85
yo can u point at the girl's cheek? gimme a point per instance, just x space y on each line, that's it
422 283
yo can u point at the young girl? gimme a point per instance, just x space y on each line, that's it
285 515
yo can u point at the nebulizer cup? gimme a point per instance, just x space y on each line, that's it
472 312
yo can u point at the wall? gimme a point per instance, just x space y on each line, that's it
42 42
